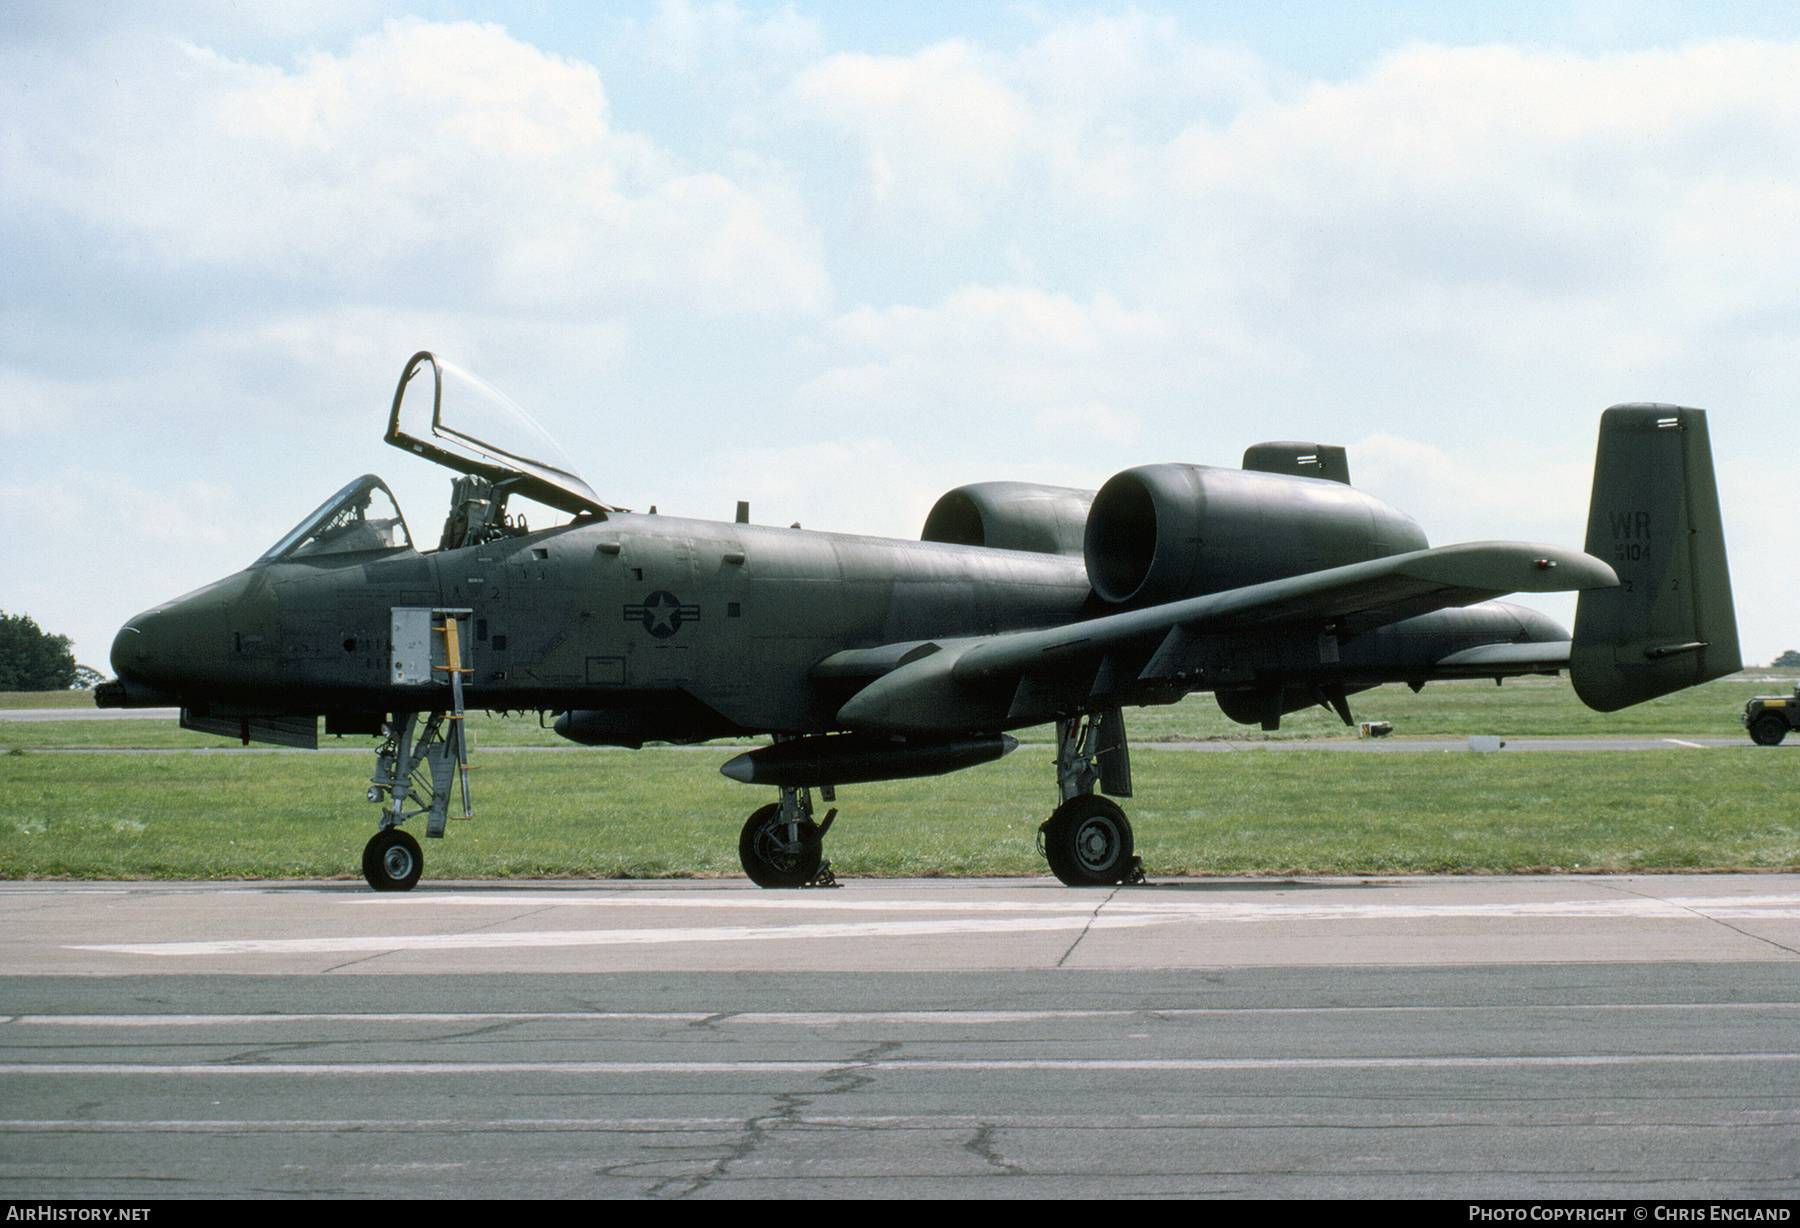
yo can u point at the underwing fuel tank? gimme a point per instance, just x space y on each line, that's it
850 759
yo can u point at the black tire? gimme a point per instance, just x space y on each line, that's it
769 860
392 860
1087 841
1768 729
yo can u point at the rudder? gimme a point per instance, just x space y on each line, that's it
1654 516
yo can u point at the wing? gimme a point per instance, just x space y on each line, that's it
1216 641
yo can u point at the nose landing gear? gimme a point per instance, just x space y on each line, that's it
424 757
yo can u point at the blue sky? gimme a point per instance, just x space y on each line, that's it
835 261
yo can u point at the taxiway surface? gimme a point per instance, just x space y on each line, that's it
1483 1037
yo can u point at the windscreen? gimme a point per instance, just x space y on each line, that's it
360 518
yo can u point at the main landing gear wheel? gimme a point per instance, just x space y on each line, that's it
1768 729
1087 841
774 856
392 860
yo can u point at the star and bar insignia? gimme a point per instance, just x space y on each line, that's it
662 614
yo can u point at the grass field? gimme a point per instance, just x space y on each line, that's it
667 812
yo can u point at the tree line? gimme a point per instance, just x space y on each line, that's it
31 659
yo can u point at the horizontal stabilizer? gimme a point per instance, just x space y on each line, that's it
1509 659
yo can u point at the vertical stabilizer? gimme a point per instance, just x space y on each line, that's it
1301 460
1654 517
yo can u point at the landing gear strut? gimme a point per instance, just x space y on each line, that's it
423 755
781 846
1087 839
415 770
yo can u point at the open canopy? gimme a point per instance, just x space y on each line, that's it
449 416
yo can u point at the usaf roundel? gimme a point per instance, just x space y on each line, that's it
662 614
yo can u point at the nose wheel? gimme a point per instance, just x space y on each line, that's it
392 860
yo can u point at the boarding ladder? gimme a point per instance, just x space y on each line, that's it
425 751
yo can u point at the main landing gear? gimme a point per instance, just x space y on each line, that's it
1087 839
781 846
414 772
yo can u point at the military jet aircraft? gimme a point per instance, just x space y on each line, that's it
1275 586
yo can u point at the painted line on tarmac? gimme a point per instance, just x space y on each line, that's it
891 1066
1127 903
814 1019
1089 916
601 938
1689 1118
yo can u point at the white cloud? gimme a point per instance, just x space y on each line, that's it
957 131
697 39
1003 346
1528 203
426 161
1507 490
940 130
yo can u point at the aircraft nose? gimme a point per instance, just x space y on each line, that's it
140 652
184 646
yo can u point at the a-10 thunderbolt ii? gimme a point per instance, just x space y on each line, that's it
1275 586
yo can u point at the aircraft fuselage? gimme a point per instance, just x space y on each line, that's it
679 629
615 614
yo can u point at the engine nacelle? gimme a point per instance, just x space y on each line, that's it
1011 516
1163 532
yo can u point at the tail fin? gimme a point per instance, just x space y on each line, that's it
1654 517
